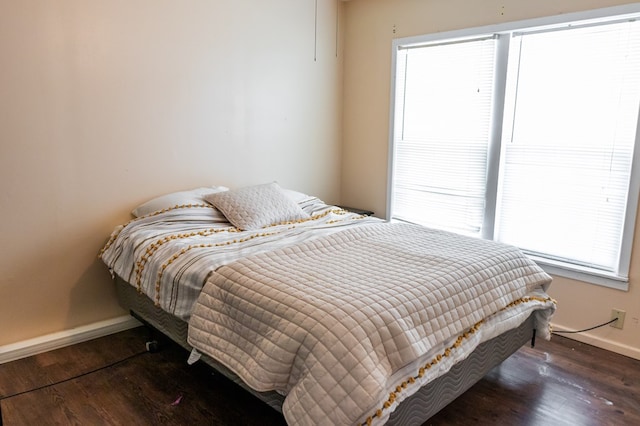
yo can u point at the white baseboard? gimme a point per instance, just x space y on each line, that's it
64 338
70 337
599 342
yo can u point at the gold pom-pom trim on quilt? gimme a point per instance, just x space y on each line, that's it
438 358
318 216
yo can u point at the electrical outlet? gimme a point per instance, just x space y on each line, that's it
617 313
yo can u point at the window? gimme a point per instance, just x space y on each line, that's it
524 135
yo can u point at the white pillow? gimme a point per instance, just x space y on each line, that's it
296 196
254 207
192 196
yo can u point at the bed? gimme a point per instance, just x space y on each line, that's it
329 316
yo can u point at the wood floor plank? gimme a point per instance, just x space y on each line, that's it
561 382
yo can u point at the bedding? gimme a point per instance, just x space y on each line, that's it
168 254
332 321
344 314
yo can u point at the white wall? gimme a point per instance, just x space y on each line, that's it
106 103
371 25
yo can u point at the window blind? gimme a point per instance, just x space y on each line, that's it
441 134
569 132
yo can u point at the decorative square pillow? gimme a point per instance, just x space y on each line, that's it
254 207
192 196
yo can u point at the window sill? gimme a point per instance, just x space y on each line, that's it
588 275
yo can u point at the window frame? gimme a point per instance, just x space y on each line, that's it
619 280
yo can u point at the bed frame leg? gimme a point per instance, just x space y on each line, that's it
533 339
153 344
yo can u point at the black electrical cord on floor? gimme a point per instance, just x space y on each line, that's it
586 329
69 379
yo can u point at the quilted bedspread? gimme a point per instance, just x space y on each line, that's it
349 324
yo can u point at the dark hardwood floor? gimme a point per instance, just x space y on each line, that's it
561 382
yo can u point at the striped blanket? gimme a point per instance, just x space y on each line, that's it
168 255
